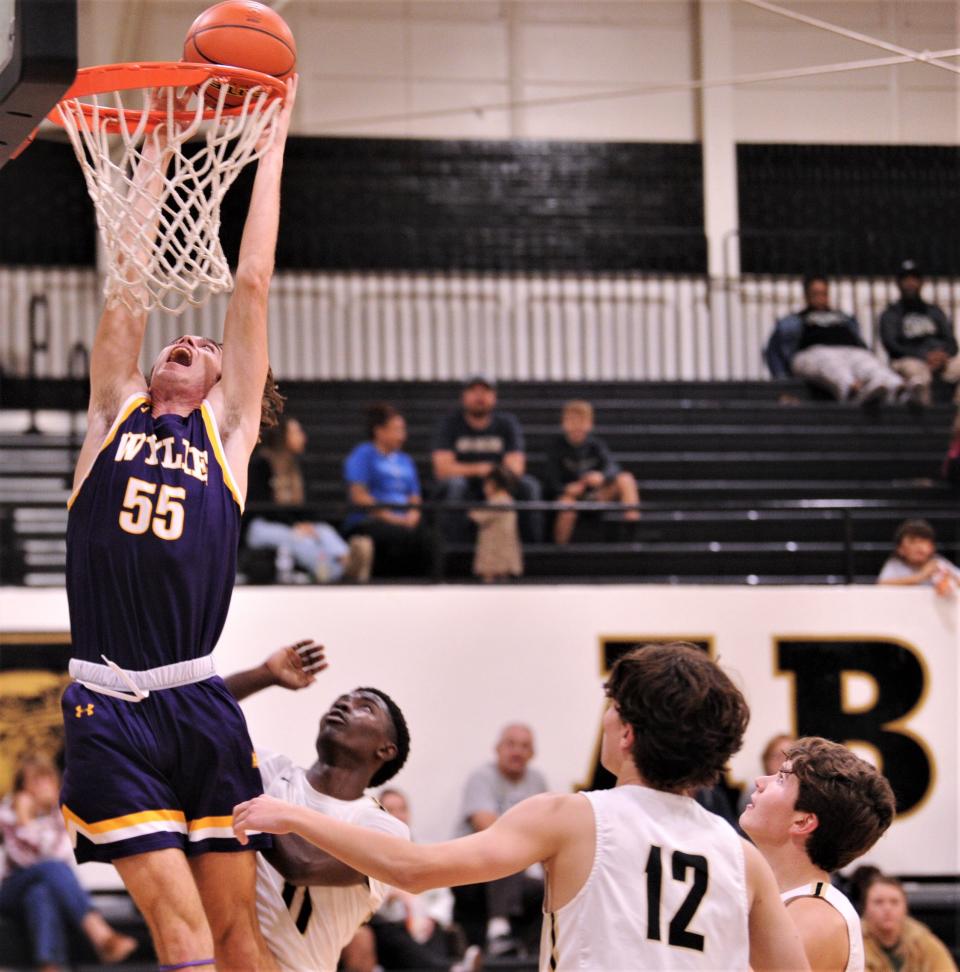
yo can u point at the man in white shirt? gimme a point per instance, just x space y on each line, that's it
823 808
638 876
308 903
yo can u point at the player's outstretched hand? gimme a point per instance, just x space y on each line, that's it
274 138
297 666
264 814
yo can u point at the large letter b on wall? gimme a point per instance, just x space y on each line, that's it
819 668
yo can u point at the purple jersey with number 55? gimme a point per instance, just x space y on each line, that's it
152 540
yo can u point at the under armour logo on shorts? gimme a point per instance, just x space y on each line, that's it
82 710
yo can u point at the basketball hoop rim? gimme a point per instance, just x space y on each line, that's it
128 76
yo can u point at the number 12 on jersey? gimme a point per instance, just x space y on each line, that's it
681 863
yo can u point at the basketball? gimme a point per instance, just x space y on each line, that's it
245 34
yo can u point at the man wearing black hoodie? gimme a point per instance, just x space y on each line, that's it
919 337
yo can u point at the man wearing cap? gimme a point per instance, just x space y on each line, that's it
919 337
468 443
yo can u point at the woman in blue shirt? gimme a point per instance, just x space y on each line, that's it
377 471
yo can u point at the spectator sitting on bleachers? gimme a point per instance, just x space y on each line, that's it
915 560
502 915
38 886
379 472
580 467
919 337
468 444
824 347
892 940
316 548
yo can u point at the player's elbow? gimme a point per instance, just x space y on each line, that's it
254 275
411 875
414 881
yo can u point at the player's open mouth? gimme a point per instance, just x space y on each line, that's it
181 356
334 716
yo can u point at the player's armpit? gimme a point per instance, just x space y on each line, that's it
774 941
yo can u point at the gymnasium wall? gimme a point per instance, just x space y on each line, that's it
385 60
873 666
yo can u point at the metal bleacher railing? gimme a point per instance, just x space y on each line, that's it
527 327
840 541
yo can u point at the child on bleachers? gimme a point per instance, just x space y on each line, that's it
498 554
580 467
916 561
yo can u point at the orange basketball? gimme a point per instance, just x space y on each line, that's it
245 34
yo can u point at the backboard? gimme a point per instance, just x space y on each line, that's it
38 62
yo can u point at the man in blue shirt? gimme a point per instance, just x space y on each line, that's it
377 471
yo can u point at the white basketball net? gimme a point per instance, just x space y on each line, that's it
158 199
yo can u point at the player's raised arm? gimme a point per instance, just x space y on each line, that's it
530 832
293 667
238 397
115 372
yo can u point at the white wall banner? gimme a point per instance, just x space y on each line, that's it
876 667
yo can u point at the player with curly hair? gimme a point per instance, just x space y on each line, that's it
821 810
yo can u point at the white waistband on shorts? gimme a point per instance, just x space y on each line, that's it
150 679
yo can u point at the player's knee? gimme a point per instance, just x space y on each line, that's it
237 939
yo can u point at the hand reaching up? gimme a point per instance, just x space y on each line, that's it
296 666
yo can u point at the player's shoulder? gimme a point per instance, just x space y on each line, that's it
813 909
822 929
274 767
560 808
371 813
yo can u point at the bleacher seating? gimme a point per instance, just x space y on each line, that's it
734 485
119 911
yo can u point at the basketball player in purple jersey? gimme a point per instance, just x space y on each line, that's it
157 750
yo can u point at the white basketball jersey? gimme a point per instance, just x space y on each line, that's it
667 890
306 928
826 891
